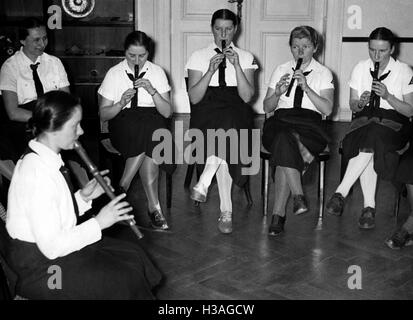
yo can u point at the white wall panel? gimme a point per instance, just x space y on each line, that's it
300 10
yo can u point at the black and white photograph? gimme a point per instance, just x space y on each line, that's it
205 158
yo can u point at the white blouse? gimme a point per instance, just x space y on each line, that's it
399 82
320 78
116 82
200 59
16 75
40 208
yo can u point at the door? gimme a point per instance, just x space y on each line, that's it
267 31
264 31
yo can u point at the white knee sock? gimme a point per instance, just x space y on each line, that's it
224 182
368 182
211 166
355 168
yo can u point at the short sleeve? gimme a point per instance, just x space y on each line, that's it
250 62
194 62
407 80
356 77
63 80
108 88
326 80
162 84
8 80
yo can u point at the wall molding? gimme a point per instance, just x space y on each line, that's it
272 17
268 69
333 51
365 39
203 16
193 16
154 18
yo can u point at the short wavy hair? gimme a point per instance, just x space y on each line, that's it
305 32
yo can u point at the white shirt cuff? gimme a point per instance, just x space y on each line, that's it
82 204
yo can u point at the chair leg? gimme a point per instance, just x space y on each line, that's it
168 190
188 177
248 193
343 168
397 206
262 176
198 172
266 178
321 190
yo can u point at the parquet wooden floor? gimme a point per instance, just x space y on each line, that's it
198 262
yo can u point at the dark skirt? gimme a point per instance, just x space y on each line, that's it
382 136
223 108
279 136
131 133
108 269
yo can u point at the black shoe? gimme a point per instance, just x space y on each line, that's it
158 221
277 225
335 205
299 204
366 220
401 238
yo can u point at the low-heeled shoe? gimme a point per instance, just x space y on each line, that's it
158 220
367 218
225 222
335 205
277 225
299 204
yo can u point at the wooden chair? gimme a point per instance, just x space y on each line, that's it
193 167
321 159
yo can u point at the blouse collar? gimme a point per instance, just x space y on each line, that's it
48 156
